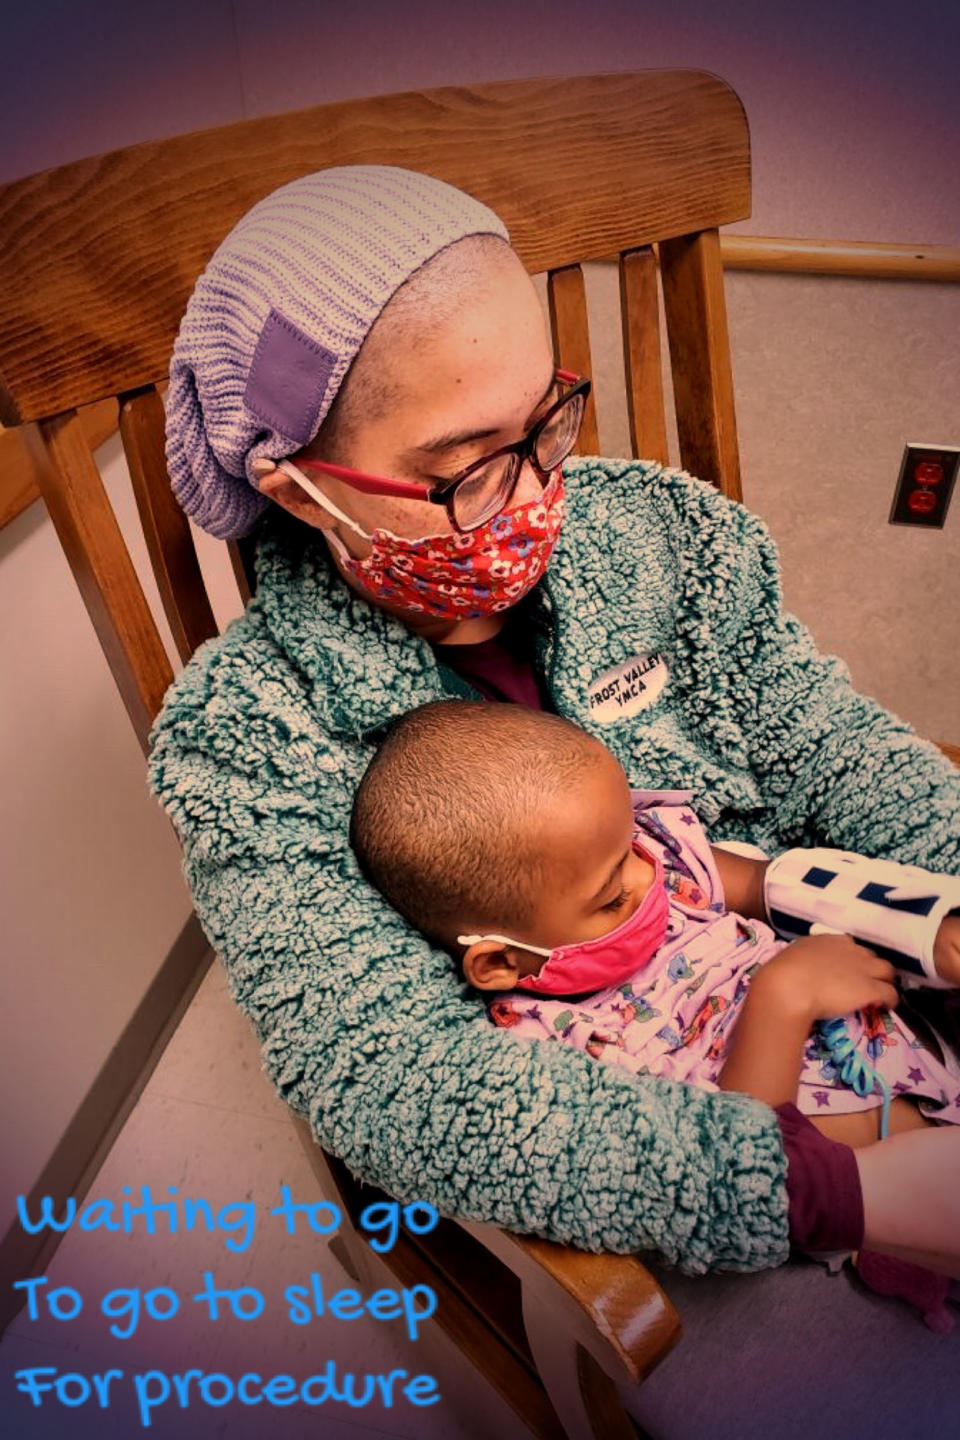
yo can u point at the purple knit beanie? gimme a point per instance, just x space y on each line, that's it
278 315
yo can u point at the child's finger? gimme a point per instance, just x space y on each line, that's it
888 996
882 969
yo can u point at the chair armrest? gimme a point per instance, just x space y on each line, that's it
610 1304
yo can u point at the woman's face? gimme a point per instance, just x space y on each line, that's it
458 389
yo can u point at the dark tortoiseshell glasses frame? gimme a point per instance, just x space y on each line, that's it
446 494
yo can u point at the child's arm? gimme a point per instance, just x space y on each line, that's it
812 979
946 950
742 879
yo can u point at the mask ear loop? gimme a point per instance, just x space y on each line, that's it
502 940
300 479
288 468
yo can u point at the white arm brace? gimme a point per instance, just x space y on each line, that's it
895 908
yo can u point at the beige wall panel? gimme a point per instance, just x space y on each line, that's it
92 893
832 378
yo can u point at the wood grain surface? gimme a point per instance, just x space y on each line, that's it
567 304
165 526
696 314
19 486
99 257
88 531
640 324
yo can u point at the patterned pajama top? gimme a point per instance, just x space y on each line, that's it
675 1015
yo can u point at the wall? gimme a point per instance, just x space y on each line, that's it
854 127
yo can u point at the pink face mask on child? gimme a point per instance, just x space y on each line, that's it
607 961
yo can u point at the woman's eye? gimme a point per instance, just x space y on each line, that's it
441 480
618 903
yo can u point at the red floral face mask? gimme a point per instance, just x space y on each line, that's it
454 576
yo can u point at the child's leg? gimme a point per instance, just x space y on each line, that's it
911 1197
862 1127
914 1178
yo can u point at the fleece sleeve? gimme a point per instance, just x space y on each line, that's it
366 1031
833 766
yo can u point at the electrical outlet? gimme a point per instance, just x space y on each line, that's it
925 485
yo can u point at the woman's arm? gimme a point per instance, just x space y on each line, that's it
366 1031
834 766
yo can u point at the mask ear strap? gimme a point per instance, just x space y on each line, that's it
502 940
288 468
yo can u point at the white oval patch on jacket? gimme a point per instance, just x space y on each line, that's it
628 688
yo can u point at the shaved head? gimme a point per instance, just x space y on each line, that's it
424 304
449 820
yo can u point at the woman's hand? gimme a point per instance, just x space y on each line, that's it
824 976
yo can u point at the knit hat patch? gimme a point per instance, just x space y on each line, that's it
288 379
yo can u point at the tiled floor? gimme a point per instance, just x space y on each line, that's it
209 1124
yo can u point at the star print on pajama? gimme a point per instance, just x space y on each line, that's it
675 1015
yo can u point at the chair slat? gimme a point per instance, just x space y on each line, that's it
640 320
241 558
693 297
165 526
617 1311
567 300
581 1392
477 1297
88 531
18 485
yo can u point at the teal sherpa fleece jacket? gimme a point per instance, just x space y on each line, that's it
366 1029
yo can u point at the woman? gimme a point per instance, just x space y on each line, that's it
361 341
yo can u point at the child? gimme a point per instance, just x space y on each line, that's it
511 838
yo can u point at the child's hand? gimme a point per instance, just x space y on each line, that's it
946 949
825 976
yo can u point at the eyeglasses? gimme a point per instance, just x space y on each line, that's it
485 488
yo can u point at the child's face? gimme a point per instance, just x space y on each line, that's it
595 880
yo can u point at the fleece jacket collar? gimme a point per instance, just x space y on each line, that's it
601 633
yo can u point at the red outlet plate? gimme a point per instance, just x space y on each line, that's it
925 485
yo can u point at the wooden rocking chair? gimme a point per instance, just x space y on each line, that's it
100 257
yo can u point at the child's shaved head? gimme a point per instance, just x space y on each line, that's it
448 819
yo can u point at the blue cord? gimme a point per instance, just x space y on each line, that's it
854 1071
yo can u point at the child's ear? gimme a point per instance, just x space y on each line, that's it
491 965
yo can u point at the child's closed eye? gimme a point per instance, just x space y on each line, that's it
618 903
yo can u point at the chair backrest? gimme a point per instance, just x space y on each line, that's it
99 259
